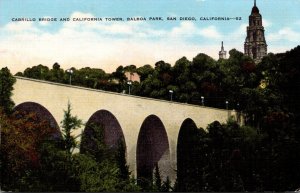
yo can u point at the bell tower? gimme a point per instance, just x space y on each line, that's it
255 44
222 53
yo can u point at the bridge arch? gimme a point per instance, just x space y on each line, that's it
187 128
112 131
186 154
139 107
152 148
41 112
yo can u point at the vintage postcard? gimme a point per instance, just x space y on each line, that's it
140 95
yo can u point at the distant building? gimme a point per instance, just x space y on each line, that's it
255 44
222 53
132 76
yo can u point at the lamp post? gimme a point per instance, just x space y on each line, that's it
171 94
129 85
228 113
202 100
87 81
70 71
238 113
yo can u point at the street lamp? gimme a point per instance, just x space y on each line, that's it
171 94
202 100
129 85
70 71
227 109
87 81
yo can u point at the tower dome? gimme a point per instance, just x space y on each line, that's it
255 9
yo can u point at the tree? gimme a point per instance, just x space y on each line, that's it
130 68
21 136
157 178
101 176
121 160
119 74
242 158
145 71
113 168
69 124
289 80
6 86
57 171
92 143
40 72
56 74
90 77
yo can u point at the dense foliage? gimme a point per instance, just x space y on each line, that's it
6 87
202 81
262 155
20 140
233 158
254 89
34 157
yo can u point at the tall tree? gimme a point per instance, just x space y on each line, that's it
56 74
121 160
6 87
69 124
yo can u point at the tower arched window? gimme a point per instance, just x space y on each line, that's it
254 36
254 52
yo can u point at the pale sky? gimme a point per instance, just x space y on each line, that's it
106 45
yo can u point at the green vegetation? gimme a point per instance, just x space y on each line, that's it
234 158
69 124
237 80
21 136
6 87
262 155
34 157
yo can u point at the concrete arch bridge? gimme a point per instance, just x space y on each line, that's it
149 127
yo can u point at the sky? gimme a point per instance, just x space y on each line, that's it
109 44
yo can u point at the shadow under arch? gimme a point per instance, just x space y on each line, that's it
186 154
112 132
41 112
152 148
